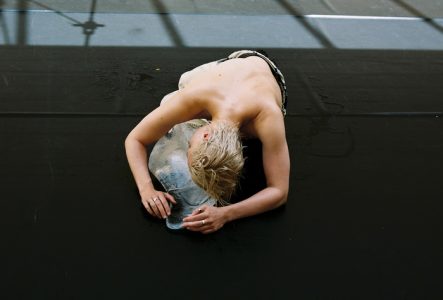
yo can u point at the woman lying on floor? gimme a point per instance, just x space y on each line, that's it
243 95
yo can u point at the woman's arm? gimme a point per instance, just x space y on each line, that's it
179 108
276 164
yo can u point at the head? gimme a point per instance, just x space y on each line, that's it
215 159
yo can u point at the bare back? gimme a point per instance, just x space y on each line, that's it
241 90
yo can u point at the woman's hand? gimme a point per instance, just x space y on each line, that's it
206 219
157 203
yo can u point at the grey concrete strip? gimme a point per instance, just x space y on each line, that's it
398 8
236 31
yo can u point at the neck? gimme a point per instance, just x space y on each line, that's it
227 120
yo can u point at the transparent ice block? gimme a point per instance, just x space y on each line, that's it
168 162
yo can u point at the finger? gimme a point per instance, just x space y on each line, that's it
196 224
154 208
195 218
161 210
165 204
148 208
198 228
170 198
145 204
208 231
198 210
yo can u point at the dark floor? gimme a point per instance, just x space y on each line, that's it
364 215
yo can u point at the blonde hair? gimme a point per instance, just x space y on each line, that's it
217 162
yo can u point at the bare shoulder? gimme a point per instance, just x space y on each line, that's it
270 124
180 107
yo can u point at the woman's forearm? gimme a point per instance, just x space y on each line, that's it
265 200
138 163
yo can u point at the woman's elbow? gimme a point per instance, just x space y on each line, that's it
282 198
129 141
